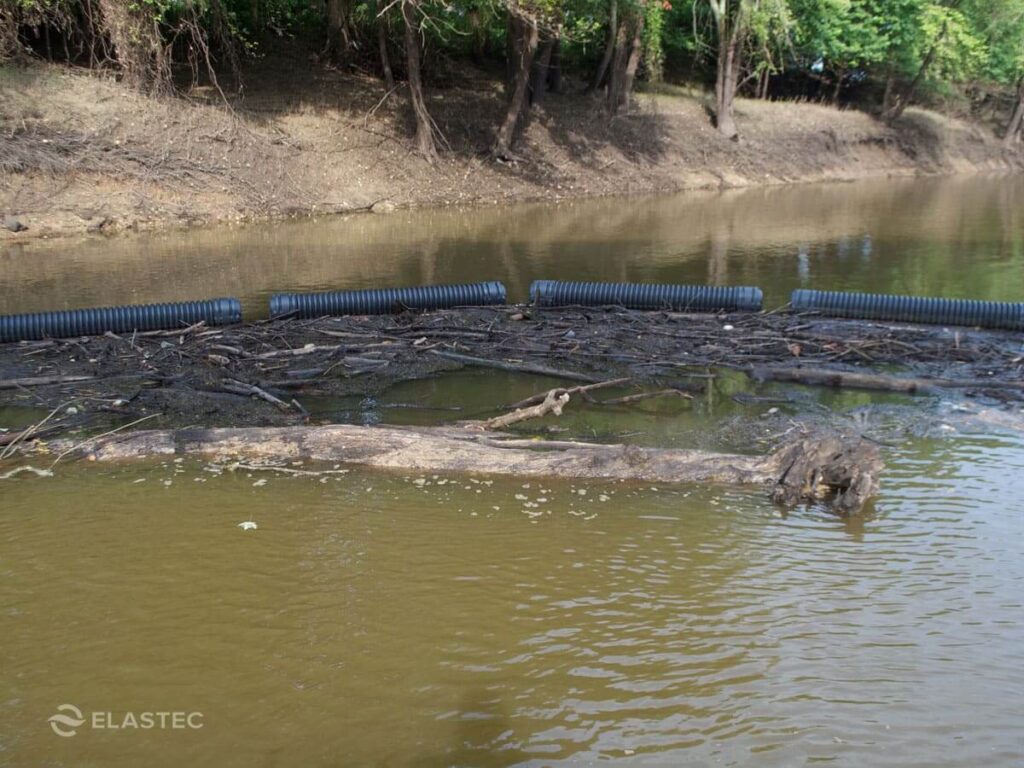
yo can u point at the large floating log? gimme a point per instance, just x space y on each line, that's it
843 469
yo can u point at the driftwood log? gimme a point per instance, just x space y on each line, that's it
823 377
839 468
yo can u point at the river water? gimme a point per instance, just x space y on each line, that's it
959 236
406 619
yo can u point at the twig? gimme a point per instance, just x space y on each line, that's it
553 404
539 398
646 396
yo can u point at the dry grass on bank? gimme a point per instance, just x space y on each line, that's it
82 153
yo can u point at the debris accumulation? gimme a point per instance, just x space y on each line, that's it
259 374
268 373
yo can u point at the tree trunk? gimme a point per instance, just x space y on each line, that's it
727 76
807 468
512 51
1016 125
339 38
425 143
897 110
137 46
838 87
762 86
890 84
382 48
625 64
478 33
609 49
633 62
92 36
617 69
555 68
528 36
9 46
539 72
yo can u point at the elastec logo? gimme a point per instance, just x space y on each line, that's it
70 718
67 720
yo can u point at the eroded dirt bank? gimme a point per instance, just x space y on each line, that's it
83 154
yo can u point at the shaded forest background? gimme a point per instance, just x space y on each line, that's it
964 57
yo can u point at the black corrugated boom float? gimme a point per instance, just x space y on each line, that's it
137 317
913 309
694 298
381 301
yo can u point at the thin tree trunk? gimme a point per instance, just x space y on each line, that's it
90 34
904 100
1016 124
382 47
890 84
617 69
9 46
555 68
478 34
727 76
837 89
512 50
609 49
425 143
339 40
632 61
528 38
539 72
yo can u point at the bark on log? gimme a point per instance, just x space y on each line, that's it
810 468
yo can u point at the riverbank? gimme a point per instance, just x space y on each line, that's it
82 154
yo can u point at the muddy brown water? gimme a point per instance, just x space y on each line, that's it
958 237
407 619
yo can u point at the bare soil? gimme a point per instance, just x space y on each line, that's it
81 153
